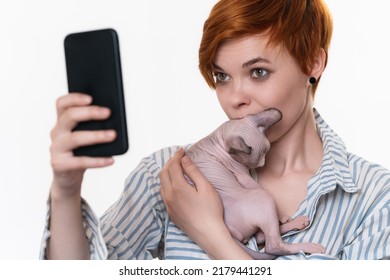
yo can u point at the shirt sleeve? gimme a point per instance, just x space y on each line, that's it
96 243
133 227
372 238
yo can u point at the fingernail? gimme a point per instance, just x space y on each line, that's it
86 98
104 111
186 160
109 161
110 133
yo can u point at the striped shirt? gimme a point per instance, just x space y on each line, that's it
348 204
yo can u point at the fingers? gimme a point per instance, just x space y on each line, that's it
193 210
165 174
75 108
72 109
174 169
194 173
169 188
71 100
74 115
63 163
61 150
76 139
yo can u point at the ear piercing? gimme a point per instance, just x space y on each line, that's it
312 80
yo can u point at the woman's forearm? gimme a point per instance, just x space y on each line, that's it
220 244
67 234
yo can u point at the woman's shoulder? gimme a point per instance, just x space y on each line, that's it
148 169
161 156
366 173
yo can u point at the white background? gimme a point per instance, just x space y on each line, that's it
168 102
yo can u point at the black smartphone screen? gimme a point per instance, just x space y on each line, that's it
93 67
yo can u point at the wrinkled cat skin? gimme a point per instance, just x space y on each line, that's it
225 158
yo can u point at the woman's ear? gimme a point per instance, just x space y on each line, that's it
319 64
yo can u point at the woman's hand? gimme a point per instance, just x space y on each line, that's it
68 169
193 209
67 234
198 210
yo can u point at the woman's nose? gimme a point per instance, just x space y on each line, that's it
240 97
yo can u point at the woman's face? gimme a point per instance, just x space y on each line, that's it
251 77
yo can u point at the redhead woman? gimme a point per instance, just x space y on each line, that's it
256 54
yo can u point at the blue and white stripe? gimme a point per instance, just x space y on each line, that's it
348 204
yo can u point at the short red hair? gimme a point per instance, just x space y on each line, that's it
303 27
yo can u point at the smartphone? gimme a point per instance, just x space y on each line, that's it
93 67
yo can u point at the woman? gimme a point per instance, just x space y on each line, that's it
257 54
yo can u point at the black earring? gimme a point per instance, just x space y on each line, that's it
312 80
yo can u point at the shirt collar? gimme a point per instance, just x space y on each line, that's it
336 155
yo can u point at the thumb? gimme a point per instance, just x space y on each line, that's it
196 176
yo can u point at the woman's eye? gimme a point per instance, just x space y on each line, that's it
221 77
259 73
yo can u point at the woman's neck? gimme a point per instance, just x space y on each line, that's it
298 150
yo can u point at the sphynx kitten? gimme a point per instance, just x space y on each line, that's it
225 158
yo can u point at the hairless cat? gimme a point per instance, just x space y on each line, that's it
225 157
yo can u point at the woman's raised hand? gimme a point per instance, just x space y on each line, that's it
68 169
